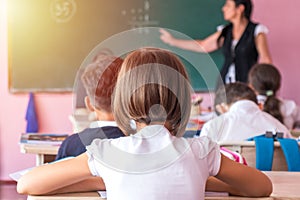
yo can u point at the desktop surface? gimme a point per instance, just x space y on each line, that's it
285 187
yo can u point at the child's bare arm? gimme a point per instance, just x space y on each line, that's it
215 185
241 180
90 184
52 177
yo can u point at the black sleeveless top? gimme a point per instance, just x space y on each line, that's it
245 54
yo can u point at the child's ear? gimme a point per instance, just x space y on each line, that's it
241 8
88 104
218 109
261 106
225 107
222 108
251 86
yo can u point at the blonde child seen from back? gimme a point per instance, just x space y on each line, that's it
151 162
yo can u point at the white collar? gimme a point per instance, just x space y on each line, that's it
243 105
97 124
149 139
151 131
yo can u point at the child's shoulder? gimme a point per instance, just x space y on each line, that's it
288 106
203 145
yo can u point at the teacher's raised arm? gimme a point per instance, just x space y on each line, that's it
242 41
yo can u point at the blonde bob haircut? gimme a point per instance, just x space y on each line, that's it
152 87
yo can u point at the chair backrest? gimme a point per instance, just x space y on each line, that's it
264 148
291 152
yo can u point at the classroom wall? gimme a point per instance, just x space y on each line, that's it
53 109
282 19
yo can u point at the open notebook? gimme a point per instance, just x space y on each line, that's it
17 175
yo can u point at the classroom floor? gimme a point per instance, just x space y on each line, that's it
8 192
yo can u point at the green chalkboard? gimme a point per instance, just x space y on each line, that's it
49 40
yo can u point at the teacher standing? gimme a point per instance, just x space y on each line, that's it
242 41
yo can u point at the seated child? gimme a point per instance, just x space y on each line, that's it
242 119
265 79
99 80
153 161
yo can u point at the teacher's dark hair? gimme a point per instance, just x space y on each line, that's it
248 7
247 13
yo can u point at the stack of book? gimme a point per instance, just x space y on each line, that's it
42 138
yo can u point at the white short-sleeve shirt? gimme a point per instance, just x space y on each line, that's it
243 120
153 164
289 109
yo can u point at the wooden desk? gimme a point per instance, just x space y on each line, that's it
41 150
70 196
285 187
95 196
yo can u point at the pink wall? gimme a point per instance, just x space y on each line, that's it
282 19
53 109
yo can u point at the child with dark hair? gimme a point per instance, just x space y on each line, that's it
265 79
225 96
242 118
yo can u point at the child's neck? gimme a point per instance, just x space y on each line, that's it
104 116
140 125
